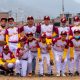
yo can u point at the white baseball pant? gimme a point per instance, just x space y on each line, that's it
59 65
41 64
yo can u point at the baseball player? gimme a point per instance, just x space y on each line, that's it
66 28
60 46
44 52
76 25
13 35
75 50
63 27
30 28
2 33
47 28
32 43
24 58
7 60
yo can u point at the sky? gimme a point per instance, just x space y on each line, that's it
39 8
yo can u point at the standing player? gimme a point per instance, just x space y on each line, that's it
63 27
44 51
47 28
32 44
13 35
75 50
69 35
30 28
76 25
2 33
60 46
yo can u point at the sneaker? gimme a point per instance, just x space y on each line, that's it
33 72
2 72
30 74
11 74
70 74
58 75
77 73
41 75
17 74
63 75
52 73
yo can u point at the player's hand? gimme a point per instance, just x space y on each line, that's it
5 64
51 62
40 60
3 60
71 58
62 61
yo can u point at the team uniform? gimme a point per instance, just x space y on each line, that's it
75 43
28 29
2 38
12 38
76 25
44 53
24 58
7 60
59 47
49 30
33 50
69 36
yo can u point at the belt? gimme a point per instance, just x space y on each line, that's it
57 50
25 59
13 41
34 51
49 37
77 50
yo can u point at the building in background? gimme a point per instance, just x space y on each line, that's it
4 15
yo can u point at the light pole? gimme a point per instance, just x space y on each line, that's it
63 8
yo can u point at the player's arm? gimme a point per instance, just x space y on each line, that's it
39 52
70 33
1 60
55 32
12 60
6 37
71 50
65 51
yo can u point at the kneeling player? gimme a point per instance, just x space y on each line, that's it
24 58
7 60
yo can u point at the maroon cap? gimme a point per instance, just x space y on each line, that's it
63 33
76 31
46 18
10 19
30 18
5 47
76 18
43 35
29 34
63 20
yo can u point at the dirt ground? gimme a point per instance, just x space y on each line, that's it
40 78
